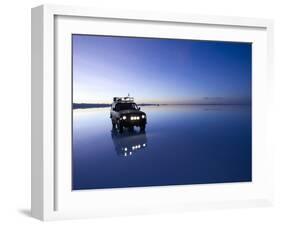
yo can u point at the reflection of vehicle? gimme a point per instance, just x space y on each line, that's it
129 143
125 113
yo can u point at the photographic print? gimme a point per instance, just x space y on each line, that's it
159 112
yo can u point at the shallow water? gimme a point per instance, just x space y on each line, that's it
181 145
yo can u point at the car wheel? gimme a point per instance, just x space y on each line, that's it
113 125
120 127
142 128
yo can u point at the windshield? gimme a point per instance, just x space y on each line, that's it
126 106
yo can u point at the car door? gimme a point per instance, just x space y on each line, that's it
113 113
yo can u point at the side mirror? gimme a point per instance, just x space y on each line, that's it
139 108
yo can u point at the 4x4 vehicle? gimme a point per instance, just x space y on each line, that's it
124 112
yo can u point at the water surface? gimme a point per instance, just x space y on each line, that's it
181 145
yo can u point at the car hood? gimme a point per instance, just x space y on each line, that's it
125 112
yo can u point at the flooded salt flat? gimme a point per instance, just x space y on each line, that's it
182 145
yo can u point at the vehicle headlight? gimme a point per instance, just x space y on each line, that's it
143 116
124 117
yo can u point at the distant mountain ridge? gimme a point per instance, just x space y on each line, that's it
86 105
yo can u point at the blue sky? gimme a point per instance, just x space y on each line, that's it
160 70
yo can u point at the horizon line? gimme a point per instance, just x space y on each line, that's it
214 103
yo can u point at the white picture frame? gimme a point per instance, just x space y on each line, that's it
52 197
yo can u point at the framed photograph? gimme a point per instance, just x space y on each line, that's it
136 113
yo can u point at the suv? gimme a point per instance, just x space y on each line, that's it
125 113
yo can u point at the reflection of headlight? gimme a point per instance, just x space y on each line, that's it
143 116
124 117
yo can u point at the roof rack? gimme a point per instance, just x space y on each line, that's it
123 99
